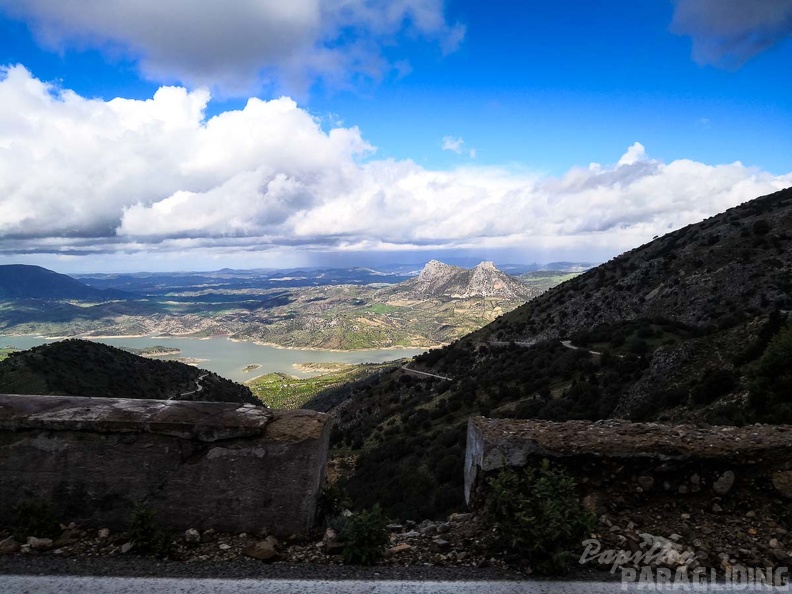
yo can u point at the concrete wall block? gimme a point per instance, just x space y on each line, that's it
199 464
687 460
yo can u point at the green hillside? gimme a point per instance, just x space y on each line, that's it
85 368
282 391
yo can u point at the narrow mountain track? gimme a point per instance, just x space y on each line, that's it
198 387
568 344
425 373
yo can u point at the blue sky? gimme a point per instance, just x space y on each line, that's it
306 133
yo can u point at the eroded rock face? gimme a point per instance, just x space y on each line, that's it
198 464
438 279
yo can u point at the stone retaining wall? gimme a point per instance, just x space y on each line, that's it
637 458
198 464
669 500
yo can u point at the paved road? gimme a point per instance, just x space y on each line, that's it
521 343
125 585
442 377
527 343
197 383
568 344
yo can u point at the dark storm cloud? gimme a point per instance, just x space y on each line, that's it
730 32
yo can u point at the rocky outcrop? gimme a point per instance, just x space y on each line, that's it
488 281
200 465
485 280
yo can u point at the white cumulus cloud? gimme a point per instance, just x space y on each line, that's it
236 46
86 176
453 144
457 145
634 154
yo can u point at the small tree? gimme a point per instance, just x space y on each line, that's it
145 532
34 518
537 515
366 537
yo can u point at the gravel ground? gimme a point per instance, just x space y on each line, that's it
455 550
743 532
121 585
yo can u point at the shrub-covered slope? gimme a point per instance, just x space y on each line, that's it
85 368
691 326
713 275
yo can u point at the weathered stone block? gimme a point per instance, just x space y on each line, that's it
198 464
633 456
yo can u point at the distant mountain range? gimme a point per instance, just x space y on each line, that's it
357 308
160 283
19 281
232 280
85 368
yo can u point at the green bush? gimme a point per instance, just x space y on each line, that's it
637 346
146 534
714 384
35 518
366 537
761 227
771 327
771 380
537 515
332 501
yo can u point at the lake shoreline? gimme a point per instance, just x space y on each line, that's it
320 349
230 339
229 357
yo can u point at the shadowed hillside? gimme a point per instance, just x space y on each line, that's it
692 326
20 281
85 368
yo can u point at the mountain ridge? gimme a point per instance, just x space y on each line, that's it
346 315
693 326
77 367
24 281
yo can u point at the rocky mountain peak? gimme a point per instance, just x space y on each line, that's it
485 280
434 269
